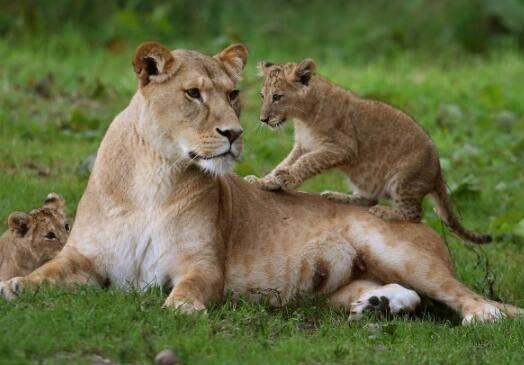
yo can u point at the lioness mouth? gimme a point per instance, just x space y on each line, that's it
196 156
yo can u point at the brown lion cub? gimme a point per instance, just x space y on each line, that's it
382 150
33 238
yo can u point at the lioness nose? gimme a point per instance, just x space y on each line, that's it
264 120
231 134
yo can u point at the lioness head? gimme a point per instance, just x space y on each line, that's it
192 106
35 237
285 87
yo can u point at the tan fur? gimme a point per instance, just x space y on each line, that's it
154 214
33 238
383 151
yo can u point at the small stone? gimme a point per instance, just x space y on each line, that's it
449 114
167 357
505 117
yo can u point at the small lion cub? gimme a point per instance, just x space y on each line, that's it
33 238
382 150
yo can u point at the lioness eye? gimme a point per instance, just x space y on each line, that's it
233 95
261 95
194 93
276 97
50 236
67 227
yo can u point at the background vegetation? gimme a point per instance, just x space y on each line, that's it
457 66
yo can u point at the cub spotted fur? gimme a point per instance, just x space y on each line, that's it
383 151
33 238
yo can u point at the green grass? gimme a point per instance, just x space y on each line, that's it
472 106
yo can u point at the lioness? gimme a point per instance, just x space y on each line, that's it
383 151
33 238
162 207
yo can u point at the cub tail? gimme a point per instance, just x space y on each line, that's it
445 211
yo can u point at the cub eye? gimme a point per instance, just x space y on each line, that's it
261 95
67 227
233 95
50 236
194 93
276 97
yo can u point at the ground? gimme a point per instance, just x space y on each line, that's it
56 100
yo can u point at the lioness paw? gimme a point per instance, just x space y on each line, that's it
186 306
485 312
286 180
391 298
9 289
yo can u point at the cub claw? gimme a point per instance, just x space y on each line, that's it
262 183
286 180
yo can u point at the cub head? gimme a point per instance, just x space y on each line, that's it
191 104
284 91
43 231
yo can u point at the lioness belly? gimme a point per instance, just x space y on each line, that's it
318 266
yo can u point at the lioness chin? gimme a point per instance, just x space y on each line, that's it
154 212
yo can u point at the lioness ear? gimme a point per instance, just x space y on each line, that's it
55 201
20 222
304 70
153 62
263 68
234 59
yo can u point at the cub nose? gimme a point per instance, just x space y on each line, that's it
264 120
231 134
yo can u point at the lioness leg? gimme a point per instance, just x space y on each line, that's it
69 267
426 272
198 284
365 295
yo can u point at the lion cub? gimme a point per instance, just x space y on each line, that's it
383 151
33 238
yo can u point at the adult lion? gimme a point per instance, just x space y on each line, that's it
161 207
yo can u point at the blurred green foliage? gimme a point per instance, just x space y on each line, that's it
350 30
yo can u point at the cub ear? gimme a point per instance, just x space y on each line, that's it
263 68
153 62
304 70
54 201
234 59
20 222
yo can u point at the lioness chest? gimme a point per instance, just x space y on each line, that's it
136 249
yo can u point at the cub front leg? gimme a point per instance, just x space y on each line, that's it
68 268
309 165
269 182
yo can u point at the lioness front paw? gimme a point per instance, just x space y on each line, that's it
286 180
265 183
186 306
9 289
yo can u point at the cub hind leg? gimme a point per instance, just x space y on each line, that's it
407 196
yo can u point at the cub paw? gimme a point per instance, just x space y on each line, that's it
9 289
262 183
286 180
385 213
391 298
336 196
